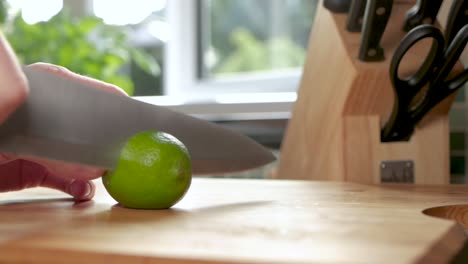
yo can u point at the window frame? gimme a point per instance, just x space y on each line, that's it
186 92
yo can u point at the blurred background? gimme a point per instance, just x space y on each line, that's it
236 63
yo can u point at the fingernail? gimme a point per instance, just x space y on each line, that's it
80 190
88 190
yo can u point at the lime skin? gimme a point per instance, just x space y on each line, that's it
154 171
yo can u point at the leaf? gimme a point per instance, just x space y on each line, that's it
123 82
88 24
3 11
84 45
113 62
145 62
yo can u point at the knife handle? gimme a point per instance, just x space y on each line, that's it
424 12
457 18
337 6
375 21
356 15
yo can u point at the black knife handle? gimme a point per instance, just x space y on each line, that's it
457 18
337 6
375 21
424 12
356 15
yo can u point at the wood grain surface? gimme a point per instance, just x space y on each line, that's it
342 104
239 221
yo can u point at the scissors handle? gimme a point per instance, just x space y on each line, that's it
400 124
440 87
456 19
426 70
434 72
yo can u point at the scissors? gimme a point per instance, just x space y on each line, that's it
417 94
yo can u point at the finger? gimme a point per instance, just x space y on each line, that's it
65 169
62 71
21 174
13 85
70 170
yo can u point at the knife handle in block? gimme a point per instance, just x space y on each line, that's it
424 12
375 21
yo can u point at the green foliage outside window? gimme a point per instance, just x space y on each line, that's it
251 54
241 38
84 45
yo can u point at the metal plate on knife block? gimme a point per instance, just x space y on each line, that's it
397 171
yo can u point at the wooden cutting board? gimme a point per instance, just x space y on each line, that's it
240 221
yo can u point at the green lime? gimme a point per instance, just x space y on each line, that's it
154 171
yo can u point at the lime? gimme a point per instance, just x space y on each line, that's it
154 171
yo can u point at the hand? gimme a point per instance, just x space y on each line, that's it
17 173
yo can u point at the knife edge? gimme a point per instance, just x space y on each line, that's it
82 124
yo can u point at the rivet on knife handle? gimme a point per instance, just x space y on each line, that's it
424 12
375 21
356 15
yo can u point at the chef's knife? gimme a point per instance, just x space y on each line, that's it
69 121
356 15
337 6
457 18
424 12
375 21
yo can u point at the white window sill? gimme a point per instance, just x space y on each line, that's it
230 106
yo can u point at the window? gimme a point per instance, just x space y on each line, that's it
207 46
35 11
251 37
211 54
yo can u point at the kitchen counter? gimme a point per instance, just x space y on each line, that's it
240 221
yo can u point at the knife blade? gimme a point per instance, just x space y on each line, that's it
69 121
356 15
424 12
456 19
337 6
375 21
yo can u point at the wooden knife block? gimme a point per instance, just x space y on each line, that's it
334 131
